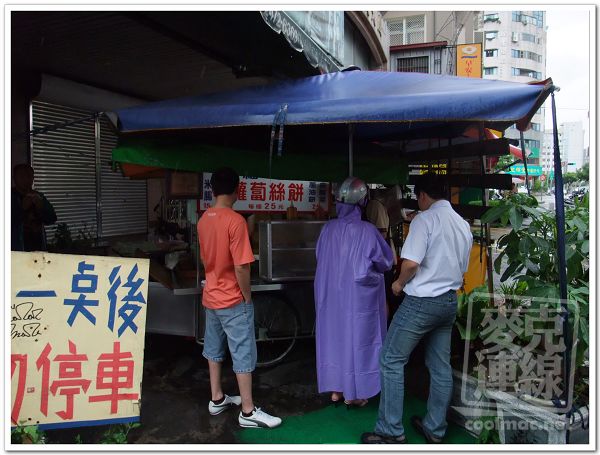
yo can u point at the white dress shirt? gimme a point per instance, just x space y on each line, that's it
440 241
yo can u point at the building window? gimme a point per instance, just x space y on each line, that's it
490 71
407 30
491 17
491 52
526 73
516 53
536 18
531 144
414 64
529 37
536 127
491 35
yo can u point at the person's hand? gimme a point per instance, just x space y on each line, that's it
410 216
397 288
32 199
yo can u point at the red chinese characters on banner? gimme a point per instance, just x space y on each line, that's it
43 363
295 192
277 192
469 68
260 194
258 191
115 371
70 380
19 360
242 191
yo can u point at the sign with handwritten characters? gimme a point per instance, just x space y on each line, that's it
77 339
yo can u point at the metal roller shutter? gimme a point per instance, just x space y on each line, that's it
67 170
64 161
124 201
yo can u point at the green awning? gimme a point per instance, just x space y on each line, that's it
385 168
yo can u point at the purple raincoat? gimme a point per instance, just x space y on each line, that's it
350 304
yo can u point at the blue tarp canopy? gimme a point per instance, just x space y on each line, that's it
383 105
393 116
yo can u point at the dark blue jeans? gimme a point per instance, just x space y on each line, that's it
417 317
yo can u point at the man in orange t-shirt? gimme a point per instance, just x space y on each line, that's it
226 254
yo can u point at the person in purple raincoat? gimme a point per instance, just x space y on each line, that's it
350 300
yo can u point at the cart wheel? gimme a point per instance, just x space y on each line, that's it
276 326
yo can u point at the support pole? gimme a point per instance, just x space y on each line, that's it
350 150
525 163
98 163
562 263
487 243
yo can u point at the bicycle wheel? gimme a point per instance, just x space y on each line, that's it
276 325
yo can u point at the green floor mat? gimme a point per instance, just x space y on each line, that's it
332 425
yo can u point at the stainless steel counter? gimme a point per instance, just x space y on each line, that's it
256 286
179 311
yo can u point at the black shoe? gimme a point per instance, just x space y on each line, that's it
376 438
355 404
417 422
336 403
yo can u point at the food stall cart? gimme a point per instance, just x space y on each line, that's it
382 127
282 275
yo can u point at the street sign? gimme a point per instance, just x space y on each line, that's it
543 178
532 170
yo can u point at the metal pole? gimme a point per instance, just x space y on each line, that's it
350 149
488 238
560 249
525 163
98 178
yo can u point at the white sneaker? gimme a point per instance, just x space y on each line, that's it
259 419
227 403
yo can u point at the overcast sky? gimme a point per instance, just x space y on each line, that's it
568 64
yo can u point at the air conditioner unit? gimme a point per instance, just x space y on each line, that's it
515 37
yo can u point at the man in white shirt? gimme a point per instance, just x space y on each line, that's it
436 256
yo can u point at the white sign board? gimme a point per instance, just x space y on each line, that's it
77 339
266 195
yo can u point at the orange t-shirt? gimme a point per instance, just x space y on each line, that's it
224 243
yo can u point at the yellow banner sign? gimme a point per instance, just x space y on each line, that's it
77 339
468 60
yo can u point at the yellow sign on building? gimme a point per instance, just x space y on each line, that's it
469 60
77 339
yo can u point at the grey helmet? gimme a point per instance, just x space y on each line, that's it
352 191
